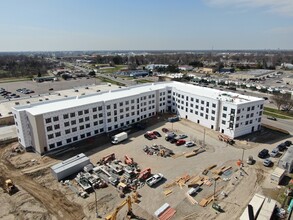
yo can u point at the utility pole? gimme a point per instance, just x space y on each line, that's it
242 155
204 137
97 215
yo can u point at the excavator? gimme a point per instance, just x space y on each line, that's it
127 201
9 187
146 173
106 159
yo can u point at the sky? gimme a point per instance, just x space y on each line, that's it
56 25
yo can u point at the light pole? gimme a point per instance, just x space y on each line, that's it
204 137
97 215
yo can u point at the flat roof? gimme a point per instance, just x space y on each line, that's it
71 162
267 209
71 102
278 172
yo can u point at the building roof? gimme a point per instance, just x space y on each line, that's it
71 162
71 102
267 209
278 172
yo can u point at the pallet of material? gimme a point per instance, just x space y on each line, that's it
219 171
227 168
207 182
179 181
190 199
194 152
205 201
168 192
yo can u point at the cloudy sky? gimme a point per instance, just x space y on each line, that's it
42 25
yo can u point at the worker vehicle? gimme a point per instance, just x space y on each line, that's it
180 142
154 179
9 187
263 153
288 143
127 201
189 144
267 162
116 139
274 152
182 136
282 147
250 160
226 139
106 159
170 136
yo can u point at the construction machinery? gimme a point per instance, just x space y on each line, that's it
226 139
128 160
106 159
9 187
127 201
146 173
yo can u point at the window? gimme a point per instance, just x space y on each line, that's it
56 118
213 112
67 131
101 130
238 111
223 122
75 138
80 113
100 115
202 102
59 143
108 107
87 118
120 103
201 108
207 104
86 111
88 134
48 120
95 123
207 117
72 114
121 110
87 125
68 140
252 108
73 122
74 129
95 116
261 106
100 108
127 102
56 126
201 114
115 106
82 136
207 110
224 108
250 122
49 128
232 111
212 118
80 120
51 146
109 120
96 131
101 122
246 123
50 136
196 100
94 109
248 109
81 127
247 116
237 125
65 116
58 134
251 115
214 105
109 128
260 113
66 124
224 115
121 116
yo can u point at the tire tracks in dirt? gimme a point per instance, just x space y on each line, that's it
55 202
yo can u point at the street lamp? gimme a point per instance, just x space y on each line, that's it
97 215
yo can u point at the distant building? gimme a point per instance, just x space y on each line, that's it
54 124
286 162
227 70
287 66
155 66
185 68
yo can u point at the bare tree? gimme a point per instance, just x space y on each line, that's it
280 99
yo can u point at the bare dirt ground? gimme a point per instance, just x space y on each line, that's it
40 196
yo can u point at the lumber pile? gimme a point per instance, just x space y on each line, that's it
221 170
194 152
205 201
198 180
180 181
168 192
190 199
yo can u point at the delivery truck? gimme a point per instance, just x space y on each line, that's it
119 137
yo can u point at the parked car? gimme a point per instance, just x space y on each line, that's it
264 153
272 118
267 162
250 160
154 179
147 136
182 136
288 143
157 134
165 130
51 89
170 136
189 144
180 142
274 152
173 140
282 147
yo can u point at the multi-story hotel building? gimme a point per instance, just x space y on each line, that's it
54 124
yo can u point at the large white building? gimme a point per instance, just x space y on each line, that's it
54 124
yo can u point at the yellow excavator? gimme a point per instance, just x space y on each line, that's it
127 201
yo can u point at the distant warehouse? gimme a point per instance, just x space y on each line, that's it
56 123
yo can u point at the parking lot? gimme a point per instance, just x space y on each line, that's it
216 153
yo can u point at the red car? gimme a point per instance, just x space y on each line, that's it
180 142
165 130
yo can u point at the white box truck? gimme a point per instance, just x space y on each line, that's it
119 137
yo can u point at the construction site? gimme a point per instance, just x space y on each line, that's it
148 175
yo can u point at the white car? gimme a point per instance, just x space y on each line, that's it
154 179
189 144
274 152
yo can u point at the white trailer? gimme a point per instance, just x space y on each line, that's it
119 138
